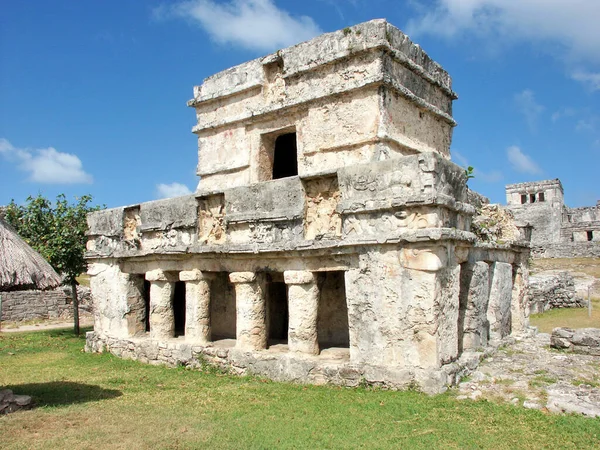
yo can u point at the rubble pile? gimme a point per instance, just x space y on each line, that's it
495 224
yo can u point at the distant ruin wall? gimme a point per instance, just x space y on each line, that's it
18 306
557 290
557 230
567 250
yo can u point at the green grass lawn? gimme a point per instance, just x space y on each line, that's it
567 317
100 401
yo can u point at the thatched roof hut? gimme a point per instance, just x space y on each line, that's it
21 267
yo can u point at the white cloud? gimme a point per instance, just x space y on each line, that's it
590 123
489 177
572 25
527 105
46 165
493 176
521 162
172 190
590 79
461 160
252 24
563 112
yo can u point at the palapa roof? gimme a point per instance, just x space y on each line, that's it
21 267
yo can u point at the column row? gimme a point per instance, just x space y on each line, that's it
251 308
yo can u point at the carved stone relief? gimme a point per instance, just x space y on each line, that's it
211 213
321 220
131 226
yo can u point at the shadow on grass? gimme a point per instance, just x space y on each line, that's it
62 393
67 332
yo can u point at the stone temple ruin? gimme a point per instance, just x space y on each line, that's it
557 230
328 240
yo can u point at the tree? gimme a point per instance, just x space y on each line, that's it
57 232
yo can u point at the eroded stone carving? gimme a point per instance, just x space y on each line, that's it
211 214
321 218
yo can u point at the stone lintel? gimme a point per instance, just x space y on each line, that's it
160 275
462 254
242 277
193 275
298 277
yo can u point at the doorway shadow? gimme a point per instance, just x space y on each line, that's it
62 393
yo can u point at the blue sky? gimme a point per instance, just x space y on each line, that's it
93 94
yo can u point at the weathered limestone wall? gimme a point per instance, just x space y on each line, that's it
567 250
557 290
404 309
110 294
356 90
57 303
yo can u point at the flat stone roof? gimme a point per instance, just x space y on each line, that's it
326 49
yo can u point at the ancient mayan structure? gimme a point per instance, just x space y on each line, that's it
557 230
328 240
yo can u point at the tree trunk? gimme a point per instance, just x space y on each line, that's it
75 308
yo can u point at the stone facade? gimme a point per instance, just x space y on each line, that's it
18 306
558 231
552 290
329 237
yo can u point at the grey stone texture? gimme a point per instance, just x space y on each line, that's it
552 290
528 372
558 231
582 340
19 306
348 271
9 402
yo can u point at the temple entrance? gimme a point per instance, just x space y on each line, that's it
277 308
332 320
179 308
146 296
222 308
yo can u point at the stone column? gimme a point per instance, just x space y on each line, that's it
432 316
250 311
499 307
303 304
197 305
474 296
519 308
162 288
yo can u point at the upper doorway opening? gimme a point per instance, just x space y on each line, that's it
285 156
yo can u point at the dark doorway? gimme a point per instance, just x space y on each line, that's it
542 197
523 199
590 236
531 198
463 300
179 308
277 308
332 321
222 307
285 156
146 295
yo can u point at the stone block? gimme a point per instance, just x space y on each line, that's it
172 213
